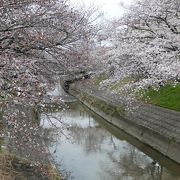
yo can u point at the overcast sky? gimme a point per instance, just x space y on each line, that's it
111 8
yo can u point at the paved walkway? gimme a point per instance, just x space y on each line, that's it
163 121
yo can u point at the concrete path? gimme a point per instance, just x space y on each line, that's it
163 121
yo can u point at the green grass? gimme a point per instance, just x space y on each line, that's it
1 115
1 143
103 106
167 97
98 79
117 87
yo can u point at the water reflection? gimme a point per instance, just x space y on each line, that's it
90 151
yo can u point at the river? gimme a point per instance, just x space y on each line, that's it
85 147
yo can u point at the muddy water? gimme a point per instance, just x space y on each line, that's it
90 149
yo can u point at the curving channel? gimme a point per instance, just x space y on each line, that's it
85 147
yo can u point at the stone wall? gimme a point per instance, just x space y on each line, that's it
155 126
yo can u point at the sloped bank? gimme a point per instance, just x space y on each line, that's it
155 126
24 155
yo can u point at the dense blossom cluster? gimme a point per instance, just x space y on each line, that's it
146 44
38 40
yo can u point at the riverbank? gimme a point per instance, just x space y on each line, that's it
24 154
152 125
13 167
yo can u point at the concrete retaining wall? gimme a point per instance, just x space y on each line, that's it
155 126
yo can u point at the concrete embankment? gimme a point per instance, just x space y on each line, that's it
152 125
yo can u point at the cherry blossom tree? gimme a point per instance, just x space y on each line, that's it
146 43
37 40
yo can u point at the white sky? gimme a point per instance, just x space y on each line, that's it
111 8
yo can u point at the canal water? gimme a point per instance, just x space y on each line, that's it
85 147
